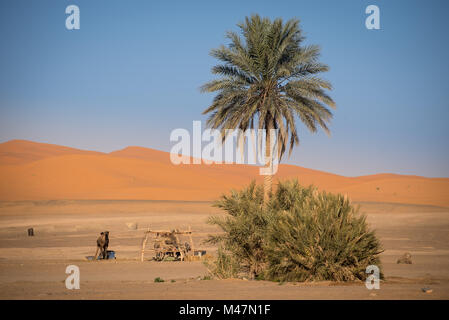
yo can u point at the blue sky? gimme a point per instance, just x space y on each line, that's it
132 74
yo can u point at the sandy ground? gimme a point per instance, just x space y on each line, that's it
65 232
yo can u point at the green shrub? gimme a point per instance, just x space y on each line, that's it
224 266
299 235
158 279
318 236
241 246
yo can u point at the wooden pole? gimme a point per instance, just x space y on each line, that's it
179 245
191 241
144 242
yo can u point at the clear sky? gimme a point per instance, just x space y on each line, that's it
132 73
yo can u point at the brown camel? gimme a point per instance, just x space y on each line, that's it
102 245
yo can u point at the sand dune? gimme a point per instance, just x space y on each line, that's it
21 151
37 171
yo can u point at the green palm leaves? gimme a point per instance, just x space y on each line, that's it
267 81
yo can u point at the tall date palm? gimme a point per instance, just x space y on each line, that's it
269 79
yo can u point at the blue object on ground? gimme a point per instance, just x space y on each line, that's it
111 255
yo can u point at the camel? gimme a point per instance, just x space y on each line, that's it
102 245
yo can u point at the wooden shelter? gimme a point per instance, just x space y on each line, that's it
167 243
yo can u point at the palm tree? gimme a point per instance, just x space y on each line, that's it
269 79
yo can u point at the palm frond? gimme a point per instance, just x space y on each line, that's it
269 77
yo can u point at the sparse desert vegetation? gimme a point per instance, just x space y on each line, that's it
301 234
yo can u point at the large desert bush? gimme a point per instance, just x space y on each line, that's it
300 235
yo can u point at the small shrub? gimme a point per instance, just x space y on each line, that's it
224 266
158 279
299 235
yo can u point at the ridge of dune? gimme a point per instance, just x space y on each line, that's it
35 171
15 152
143 154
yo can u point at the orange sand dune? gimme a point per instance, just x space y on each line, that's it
36 171
22 151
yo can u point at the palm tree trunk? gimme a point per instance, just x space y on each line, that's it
267 183
268 179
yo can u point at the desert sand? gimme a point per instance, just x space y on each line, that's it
65 233
68 196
